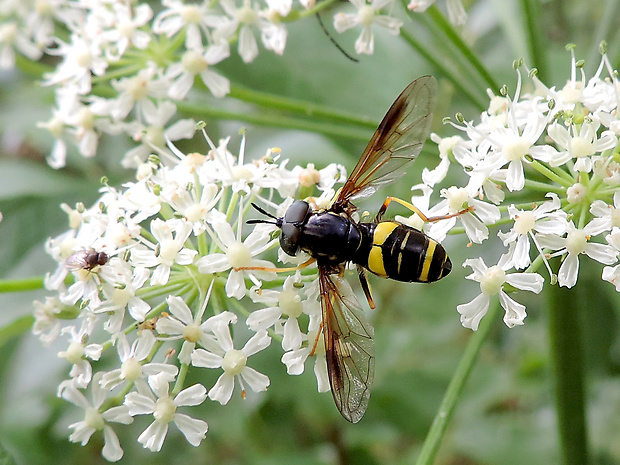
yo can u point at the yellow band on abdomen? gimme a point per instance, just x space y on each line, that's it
428 258
382 231
375 261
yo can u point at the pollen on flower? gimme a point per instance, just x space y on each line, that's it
492 281
576 241
234 362
164 409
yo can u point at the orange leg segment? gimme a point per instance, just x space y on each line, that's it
415 209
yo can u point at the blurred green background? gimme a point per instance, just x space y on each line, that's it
506 415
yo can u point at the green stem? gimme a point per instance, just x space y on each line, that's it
542 169
21 285
437 16
535 39
435 60
564 307
453 393
205 111
299 106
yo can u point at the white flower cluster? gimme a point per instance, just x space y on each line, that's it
544 167
150 271
124 69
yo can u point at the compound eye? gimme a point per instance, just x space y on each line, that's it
297 212
293 221
289 238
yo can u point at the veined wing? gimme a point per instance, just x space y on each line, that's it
397 141
349 346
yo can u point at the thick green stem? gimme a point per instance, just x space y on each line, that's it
466 52
302 107
440 64
20 285
457 383
566 347
535 39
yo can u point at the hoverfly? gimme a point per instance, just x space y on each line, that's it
386 248
86 260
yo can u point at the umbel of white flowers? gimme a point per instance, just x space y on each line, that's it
168 290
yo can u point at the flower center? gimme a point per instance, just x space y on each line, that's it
615 216
241 172
94 419
191 14
155 136
246 15
168 250
581 147
137 88
164 409
121 297
309 177
234 362
8 32
457 199
83 56
289 302
366 15
576 193
239 255
524 222
576 241
192 333
516 149
86 119
194 62
131 369
195 212
75 352
492 281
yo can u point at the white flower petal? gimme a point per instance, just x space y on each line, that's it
472 312
193 429
257 381
223 389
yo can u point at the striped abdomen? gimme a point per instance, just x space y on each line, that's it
403 253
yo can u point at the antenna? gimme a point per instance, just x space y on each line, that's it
333 41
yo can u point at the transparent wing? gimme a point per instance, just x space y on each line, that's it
349 347
397 141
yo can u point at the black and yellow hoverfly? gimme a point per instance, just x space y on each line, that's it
386 248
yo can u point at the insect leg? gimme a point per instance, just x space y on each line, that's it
415 209
278 270
366 286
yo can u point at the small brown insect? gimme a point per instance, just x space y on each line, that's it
86 260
